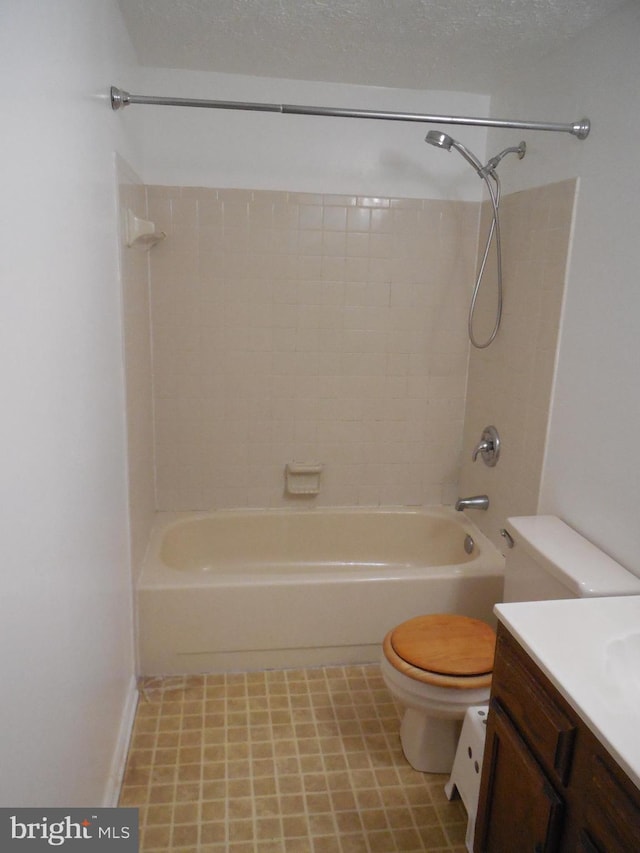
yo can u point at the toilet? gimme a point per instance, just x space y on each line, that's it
439 665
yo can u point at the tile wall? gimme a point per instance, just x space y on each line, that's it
308 328
510 382
296 327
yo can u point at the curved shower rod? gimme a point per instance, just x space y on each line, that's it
121 99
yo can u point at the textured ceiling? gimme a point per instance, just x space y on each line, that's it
463 45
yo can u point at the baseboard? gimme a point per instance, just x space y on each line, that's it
119 761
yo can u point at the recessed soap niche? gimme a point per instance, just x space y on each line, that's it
302 478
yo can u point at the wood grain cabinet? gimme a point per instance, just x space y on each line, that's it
547 782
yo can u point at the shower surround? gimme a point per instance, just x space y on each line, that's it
295 327
510 382
302 327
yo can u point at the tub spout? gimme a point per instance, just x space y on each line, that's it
476 502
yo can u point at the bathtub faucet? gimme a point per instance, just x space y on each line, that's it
476 502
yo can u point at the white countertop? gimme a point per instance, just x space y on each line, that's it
590 649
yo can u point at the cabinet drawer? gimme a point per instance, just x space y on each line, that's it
548 731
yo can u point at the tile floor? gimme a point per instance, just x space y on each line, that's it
283 761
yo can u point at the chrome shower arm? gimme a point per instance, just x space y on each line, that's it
493 163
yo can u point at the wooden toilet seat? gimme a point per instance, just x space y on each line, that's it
444 650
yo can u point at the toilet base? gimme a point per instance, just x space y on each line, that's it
429 743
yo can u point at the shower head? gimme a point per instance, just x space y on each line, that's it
440 140
443 140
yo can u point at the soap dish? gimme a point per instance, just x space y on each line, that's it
303 478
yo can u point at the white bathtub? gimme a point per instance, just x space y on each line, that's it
258 589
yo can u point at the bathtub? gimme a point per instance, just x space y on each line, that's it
259 589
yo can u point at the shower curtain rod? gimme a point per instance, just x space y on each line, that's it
121 99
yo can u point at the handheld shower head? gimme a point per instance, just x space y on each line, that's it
443 140
440 140
488 174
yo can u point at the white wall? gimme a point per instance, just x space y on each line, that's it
67 665
592 473
256 150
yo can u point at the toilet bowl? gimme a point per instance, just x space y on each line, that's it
437 666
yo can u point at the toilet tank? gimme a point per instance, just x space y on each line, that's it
550 560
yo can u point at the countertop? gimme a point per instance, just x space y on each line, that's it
590 650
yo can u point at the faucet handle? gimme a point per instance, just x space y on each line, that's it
488 447
482 447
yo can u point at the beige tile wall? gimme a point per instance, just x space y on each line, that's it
510 381
137 358
333 329
297 327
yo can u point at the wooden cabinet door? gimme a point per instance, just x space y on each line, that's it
519 808
611 819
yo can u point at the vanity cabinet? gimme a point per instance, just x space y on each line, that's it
547 782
